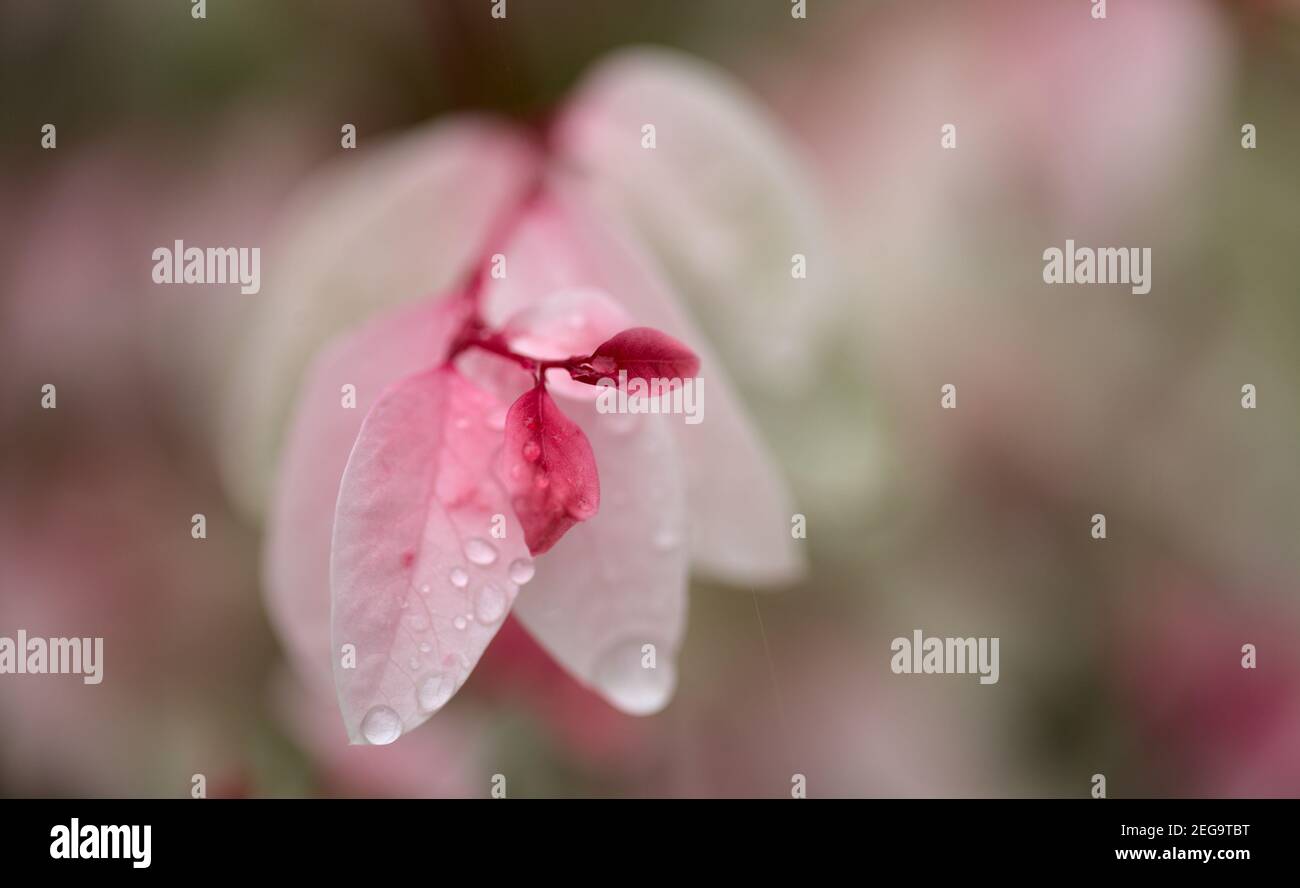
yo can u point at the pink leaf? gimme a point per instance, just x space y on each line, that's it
750 200
739 505
641 352
297 560
617 582
549 469
426 561
353 244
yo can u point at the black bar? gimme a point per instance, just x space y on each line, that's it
216 837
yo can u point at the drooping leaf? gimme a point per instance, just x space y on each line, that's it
425 555
739 505
356 242
296 564
549 469
609 600
723 202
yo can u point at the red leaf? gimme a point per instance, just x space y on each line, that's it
643 352
549 470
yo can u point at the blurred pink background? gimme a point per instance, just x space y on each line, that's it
1119 657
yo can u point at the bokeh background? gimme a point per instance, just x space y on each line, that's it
1119 657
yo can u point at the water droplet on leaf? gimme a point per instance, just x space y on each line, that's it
521 570
490 605
434 691
632 687
381 726
480 552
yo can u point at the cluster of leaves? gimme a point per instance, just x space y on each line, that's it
547 463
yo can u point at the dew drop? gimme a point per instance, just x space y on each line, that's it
521 570
632 687
458 577
541 481
532 450
459 622
425 647
490 605
434 691
413 663
480 552
381 726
